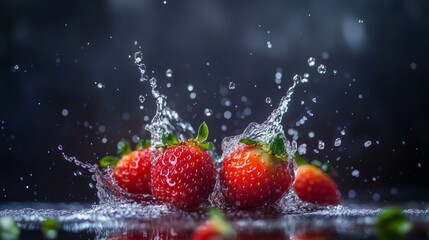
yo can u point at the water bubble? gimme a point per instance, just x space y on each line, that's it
314 100
60 147
413 66
231 85
208 112
65 112
351 193
278 81
360 21
169 73
135 43
268 100
355 173
311 61
16 67
367 143
321 145
193 95
311 134
168 85
165 2
223 127
343 132
321 69
269 45
337 142
278 75
138 57
100 85
142 99
104 140
360 96
334 71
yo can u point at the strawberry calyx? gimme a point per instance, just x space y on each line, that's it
325 167
169 140
123 148
220 224
275 147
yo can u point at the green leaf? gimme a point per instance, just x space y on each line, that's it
50 228
277 146
169 139
8 229
206 146
248 141
203 133
392 224
300 160
143 144
123 148
109 161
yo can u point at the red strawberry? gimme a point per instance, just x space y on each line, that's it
214 228
184 175
257 174
132 170
314 186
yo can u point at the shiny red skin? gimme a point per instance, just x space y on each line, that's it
314 186
133 172
183 176
251 177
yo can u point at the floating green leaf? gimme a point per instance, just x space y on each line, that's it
169 139
277 146
8 229
109 161
221 224
392 224
143 144
123 148
203 133
50 228
248 141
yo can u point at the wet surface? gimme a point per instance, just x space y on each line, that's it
149 221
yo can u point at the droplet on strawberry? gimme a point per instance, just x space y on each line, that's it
314 186
184 175
257 174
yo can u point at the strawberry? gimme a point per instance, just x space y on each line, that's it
257 174
132 169
184 175
216 227
315 186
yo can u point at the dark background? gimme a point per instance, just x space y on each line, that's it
61 49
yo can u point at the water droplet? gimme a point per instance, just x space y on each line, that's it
325 55
413 66
104 140
343 132
165 2
311 134
169 73
142 99
335 72
297 78
360 96
360 21
138 57
278 75
60 147
314 100
190 87
337 142
208 112
311 61
16 67
65 112
193 95
367 143
231 85
269 45
135 43
355 173
100 85
227 115
268 100
321 69
321 145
